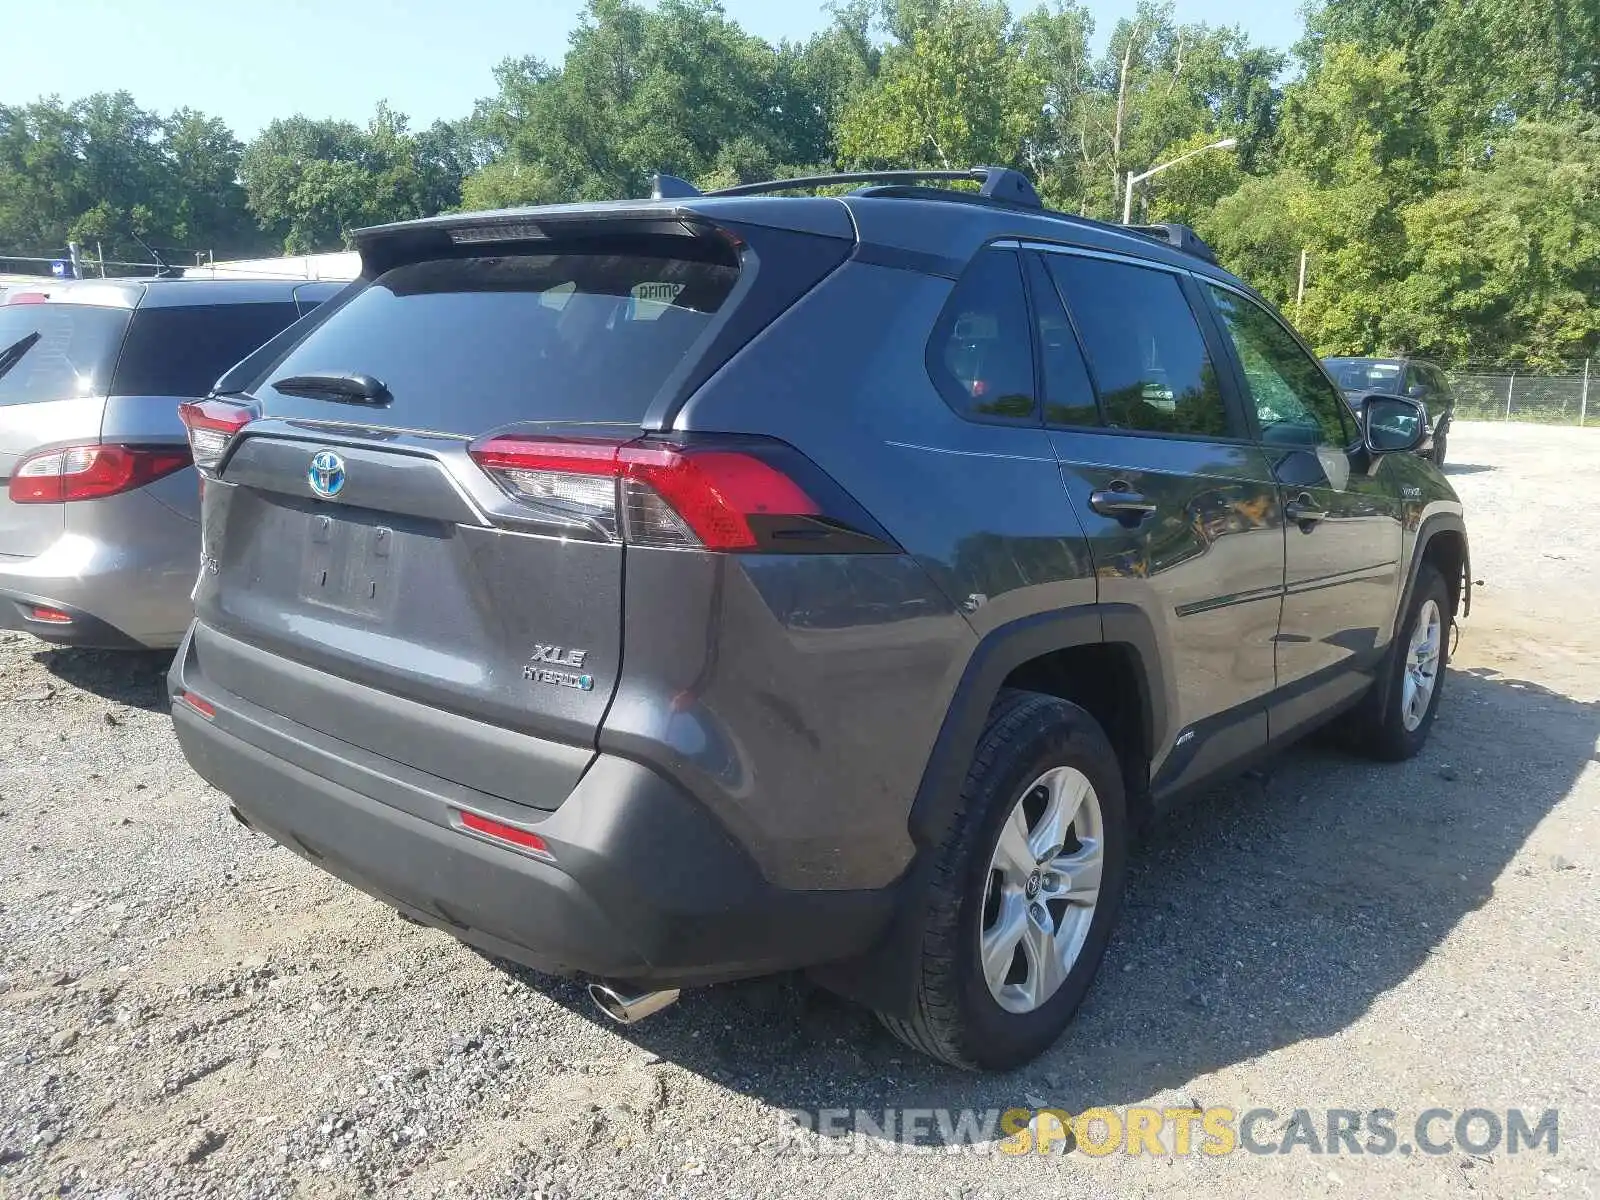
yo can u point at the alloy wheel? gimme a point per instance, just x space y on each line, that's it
1043 885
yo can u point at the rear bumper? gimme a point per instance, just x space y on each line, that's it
123 569
645 886
20 611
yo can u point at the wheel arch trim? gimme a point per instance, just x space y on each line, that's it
1433 524
996 656
1439 521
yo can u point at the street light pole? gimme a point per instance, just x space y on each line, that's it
1127 200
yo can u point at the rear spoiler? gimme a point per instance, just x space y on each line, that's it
384 246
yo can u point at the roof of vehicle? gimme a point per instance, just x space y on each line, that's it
163 293
933 230
1397 361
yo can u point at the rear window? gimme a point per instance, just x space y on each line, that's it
483 341
183 351
57 351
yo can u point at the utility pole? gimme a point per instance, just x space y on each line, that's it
1583 403
1511 390
1300 292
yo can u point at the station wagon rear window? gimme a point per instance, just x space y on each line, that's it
57 351
470 343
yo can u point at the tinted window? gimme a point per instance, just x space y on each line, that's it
183 351
57 351
1068 394
1294 402
1365 374
981 354
469 343
1144 346
1437 381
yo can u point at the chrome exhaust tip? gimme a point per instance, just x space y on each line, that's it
628 1007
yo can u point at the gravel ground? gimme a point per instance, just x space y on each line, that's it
187 1011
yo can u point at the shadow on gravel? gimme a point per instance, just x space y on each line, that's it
1451 468
137 678
1274 911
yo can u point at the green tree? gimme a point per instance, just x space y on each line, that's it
956 91
1482 64
312 182
1505 266
677 88
104 170
1162 88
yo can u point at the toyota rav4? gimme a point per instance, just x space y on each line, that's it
673 591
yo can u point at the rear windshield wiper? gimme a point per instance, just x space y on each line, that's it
12 354
353 387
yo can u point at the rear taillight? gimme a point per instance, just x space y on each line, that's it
91 472
731 494
212 425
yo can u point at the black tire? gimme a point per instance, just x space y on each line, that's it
1378 726
956 1018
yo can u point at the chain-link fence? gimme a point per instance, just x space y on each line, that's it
1549 398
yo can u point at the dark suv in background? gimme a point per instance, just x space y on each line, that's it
99 533
1423 381
680 590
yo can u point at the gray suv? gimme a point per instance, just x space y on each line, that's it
99 531
673 591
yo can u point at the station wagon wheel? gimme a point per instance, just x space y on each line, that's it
1044 882
1022 892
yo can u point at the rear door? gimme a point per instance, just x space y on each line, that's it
56 361
1180 509
356 537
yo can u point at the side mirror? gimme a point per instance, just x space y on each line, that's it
1392 424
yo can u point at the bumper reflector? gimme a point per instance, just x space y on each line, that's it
202 706
501 832
51 616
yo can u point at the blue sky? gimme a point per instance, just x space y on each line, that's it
252 61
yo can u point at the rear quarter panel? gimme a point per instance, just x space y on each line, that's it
824 708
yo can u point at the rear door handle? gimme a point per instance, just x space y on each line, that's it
1122 503
1303 511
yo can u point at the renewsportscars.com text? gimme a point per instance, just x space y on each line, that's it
1164 1132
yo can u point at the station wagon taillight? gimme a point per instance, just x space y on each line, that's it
212 425
91 472
733 494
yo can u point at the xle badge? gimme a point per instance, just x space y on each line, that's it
546 661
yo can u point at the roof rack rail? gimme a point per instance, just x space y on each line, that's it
1179 236
997 183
